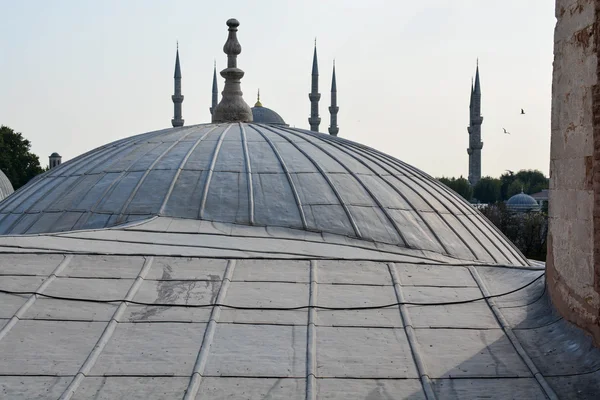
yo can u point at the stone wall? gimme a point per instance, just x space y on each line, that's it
573 263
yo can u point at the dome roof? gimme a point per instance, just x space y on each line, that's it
5 186
264 115
522 202
251 174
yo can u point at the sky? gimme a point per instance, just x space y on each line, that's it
77 74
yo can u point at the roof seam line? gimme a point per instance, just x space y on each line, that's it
311 335
329 182
181 167
147 172
249 174
288 176
410 335
203 353
23 309
211 171
107 333
548 391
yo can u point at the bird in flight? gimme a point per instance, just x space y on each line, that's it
522 111
505 131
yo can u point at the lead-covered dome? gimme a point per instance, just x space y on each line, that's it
6 187
522 202
252 174
264 115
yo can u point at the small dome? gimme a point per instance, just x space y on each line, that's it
522 203
55 155
264 115
6 187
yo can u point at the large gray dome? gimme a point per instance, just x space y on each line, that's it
6 187
253 174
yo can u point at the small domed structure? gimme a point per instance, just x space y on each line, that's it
6 187
264 115
522 203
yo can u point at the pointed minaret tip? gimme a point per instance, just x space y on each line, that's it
177 65
315 66
258 103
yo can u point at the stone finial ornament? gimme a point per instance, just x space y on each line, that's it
232 107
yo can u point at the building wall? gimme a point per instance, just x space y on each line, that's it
573 263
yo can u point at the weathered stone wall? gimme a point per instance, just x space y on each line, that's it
573 263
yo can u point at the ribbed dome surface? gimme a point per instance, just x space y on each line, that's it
264 115
5 186
253 174
522 202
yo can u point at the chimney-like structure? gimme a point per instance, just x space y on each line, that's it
333 109
232 107
215 91
177 96
474 129
314 95
54 160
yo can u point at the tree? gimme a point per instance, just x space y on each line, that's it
533 180
459 185
506 180
16 161
515 188
487 190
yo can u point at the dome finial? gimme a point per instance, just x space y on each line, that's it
258 103
232 107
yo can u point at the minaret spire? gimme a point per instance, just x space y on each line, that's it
232 107
333 109
314 95
177 96
474 129
215 91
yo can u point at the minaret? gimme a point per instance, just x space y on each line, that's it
474 129
177 97
333 109
314 95
215 91
232 107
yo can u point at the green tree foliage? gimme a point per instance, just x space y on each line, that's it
506 180
528 231
515 188
459 185
531 180
16 161
534 181
487 190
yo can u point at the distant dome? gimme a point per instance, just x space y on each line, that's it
264 115
258 175
55 155
6 187
522 203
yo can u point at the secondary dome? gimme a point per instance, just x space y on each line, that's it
6 187
522 202
252 174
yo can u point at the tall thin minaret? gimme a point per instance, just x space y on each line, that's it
215 91
314 95
333 109
177 97
474 129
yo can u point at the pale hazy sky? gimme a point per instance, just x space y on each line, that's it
78 74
